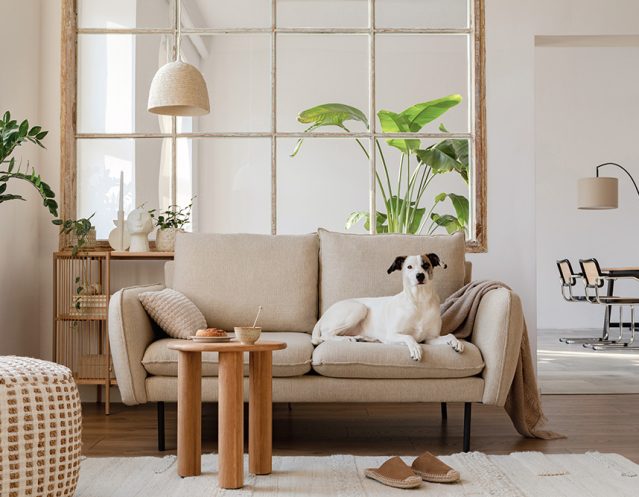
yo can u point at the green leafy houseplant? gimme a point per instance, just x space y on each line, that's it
169 222
13 135
418 166
174 217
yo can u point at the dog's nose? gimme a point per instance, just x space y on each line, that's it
420 277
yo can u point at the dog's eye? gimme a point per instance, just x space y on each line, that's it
410 267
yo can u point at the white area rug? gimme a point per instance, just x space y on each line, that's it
529 474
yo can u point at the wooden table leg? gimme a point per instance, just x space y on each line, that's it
260 413
189 413
231 420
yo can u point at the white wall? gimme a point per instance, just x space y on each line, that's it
19 235
587 113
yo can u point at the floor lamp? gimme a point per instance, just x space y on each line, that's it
601 192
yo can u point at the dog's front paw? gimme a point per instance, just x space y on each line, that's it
456 344
415 352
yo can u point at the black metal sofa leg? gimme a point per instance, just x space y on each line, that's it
467 416
444 411
161 435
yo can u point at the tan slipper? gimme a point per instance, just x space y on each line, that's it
429 468
394 473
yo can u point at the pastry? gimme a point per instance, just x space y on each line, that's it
210 332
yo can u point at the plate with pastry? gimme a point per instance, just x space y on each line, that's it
211 335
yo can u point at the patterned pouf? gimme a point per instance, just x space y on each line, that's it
40 429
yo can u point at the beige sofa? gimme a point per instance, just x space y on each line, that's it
295 278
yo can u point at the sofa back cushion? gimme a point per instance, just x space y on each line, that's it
356 265
228 275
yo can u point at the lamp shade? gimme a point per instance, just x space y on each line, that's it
598 193
178 89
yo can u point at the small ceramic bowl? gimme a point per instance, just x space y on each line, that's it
248 334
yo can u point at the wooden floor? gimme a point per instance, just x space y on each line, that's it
607 423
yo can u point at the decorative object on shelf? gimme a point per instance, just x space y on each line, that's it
178 88
404 213
170 222
600 193
119 238
139 224
81 234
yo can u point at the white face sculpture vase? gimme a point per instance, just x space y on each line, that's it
139 224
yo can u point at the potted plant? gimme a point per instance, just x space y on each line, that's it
169 222
417 166
13 135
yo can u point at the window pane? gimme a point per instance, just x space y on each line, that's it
417 68
422 13
114 77
319 69
233 181
322 13
114 14
235 14
237 70
322 185
417 178
99 164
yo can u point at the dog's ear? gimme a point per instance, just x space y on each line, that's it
397 264
435 261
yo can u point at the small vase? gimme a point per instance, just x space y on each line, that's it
165 239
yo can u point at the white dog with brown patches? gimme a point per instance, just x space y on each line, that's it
408 318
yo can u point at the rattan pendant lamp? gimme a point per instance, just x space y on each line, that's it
178 88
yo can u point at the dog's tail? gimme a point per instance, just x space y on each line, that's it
316 337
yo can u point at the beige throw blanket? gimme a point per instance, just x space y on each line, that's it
523 404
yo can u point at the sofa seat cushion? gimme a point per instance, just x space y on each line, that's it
378 360
355 266
294 360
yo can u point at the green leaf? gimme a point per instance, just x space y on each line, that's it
446 156
3 187
327 115
421 114
357 216
416 221
35 130
391 122
24 128
331 115
447 221
461 205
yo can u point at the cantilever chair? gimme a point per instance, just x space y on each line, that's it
568 279
594 279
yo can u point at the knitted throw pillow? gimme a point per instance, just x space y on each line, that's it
173 312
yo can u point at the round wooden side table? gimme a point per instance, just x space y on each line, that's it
231 408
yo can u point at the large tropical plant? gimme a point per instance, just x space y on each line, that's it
404 202
13 135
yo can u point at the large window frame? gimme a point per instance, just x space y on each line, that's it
477 108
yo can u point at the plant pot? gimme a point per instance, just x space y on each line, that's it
165 239
90 240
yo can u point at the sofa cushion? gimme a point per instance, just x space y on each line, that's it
356 265
294 360
228 275
378 360
173 312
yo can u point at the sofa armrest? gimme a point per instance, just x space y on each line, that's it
130 333
497 333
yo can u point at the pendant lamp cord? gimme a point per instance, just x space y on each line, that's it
623 169
178 22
